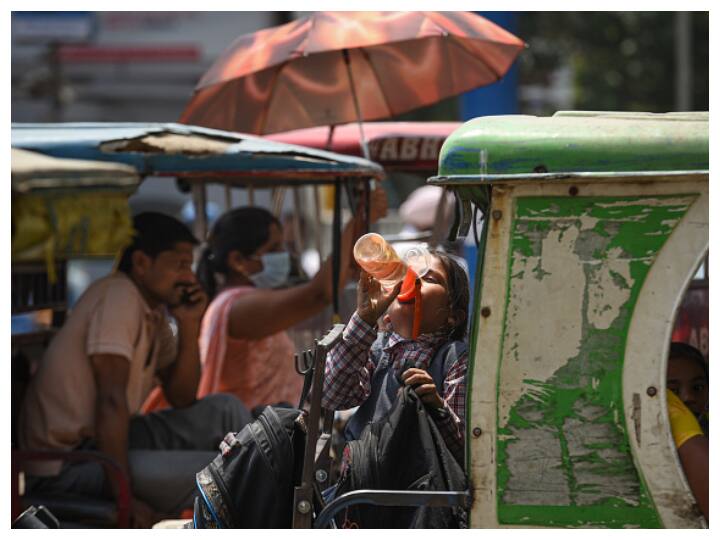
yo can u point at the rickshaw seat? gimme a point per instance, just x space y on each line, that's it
74 510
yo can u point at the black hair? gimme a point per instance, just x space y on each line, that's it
458 289
242 229
680 349
154 233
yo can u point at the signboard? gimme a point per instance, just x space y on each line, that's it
119 54
418 151
48 26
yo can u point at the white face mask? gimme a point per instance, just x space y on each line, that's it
275 272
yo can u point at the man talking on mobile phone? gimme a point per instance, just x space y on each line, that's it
117 344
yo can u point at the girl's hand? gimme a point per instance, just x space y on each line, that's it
424 387
372 300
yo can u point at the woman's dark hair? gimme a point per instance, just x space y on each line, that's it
458 288
683 350
242 229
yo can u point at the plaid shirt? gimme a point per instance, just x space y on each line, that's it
349 369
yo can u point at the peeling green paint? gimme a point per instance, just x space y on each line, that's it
563 454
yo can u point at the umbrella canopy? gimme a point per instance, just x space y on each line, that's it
193 153
31 171
308 72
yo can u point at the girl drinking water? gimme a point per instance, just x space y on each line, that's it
367 366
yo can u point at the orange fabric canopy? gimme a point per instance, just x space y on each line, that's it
296 75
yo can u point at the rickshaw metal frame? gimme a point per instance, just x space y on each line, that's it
392 498
304 493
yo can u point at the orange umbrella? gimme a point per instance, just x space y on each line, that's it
336 67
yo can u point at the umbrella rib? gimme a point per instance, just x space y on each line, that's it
377 78
458 43
447 34
273 85
308 34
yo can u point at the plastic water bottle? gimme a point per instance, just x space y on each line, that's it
378 258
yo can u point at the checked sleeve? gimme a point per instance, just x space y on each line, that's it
348 368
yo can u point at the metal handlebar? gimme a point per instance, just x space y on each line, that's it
391 498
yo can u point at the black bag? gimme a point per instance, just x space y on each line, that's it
251 483
402 451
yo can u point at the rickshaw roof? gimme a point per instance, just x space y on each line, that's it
590 144
191 152
30 171
399 145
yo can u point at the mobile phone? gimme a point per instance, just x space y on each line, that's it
185 297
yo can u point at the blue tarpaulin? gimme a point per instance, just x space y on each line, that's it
189 151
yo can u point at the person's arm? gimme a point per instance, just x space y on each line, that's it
112 421
447 410
181 378
695 458
112 417
451 421
692 448
348 367
268 311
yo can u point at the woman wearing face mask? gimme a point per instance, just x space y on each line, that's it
244 348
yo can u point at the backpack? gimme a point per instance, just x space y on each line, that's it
402 451
385 385
250 484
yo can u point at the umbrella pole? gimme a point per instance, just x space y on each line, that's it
316 199
363 142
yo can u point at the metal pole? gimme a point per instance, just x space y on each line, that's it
683 61
278 201
199 196
297 229
228 197
391 498
318 220
440 219
363 142
303 495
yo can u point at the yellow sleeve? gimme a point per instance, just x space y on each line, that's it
683 423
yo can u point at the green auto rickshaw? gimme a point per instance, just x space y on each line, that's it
594 224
